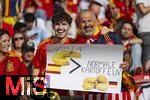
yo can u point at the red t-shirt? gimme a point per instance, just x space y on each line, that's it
86 39
39 60
12 66
47 6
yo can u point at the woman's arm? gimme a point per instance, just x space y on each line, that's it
135 40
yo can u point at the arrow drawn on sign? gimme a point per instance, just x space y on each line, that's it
78 65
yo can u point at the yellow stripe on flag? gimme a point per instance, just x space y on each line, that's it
53 68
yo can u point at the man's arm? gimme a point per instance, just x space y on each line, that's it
143 9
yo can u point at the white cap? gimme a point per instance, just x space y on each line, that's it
102 2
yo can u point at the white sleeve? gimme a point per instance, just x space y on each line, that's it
139 1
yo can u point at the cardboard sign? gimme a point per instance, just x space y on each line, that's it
93 68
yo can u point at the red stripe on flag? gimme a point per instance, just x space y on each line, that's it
112 83
54 65
54 72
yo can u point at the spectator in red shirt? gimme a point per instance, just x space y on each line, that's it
61 25
9 65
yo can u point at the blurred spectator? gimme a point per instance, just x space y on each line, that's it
115 16
132 45
72 6
44 8
28 54
10 65
17 41
96 7
126 11
35 33
42 23
143 20
20 27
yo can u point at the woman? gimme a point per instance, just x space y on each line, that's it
9 65
132 45
17 41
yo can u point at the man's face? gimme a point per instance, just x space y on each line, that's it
4 43
87 24
61 28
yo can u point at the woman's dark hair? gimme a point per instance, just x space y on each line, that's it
134 29
2 32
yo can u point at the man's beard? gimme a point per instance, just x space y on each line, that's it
87 33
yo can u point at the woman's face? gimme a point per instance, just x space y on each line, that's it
18 40
4 43
126 30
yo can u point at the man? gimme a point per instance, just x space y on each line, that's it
90 32
143 20
61 25
34 32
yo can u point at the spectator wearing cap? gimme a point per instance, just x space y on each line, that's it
28 49
96 7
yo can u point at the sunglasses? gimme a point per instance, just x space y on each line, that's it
19 38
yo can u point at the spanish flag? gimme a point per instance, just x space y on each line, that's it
53 68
